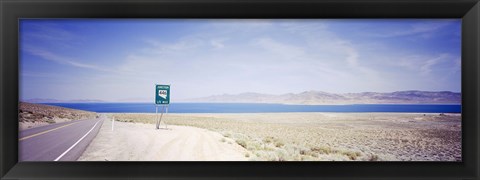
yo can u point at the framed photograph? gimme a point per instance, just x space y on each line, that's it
251 89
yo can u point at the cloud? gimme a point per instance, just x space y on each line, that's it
420 29
50 56
218 43
426 68
52 34
331 46
238 26
283 50
264 56
49 31
186 43
307 27
42 75
424 63
343 49
457 67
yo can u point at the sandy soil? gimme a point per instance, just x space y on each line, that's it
141 142
331 136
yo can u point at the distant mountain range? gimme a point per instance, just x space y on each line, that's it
40 100
319 98
310 98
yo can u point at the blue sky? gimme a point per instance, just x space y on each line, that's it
122 60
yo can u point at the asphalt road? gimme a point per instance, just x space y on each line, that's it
57 142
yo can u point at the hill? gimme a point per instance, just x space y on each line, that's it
34 115
323 98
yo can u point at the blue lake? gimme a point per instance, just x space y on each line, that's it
259 108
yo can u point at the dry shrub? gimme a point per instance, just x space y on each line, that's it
279 144
227 135
323 150
373 157
323 136
268 139
352 155
242 143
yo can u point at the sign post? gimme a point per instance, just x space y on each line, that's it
162 98
113 122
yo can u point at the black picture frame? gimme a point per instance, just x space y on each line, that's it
12 10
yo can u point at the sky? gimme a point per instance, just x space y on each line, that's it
121 60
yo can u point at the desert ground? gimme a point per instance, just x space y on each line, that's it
280 137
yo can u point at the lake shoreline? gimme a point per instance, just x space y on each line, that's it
260 108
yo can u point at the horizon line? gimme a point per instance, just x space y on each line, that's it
190 99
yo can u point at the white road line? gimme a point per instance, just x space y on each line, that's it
71 147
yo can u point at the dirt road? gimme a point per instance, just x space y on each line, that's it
141 142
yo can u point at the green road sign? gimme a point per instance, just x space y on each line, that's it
162 94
